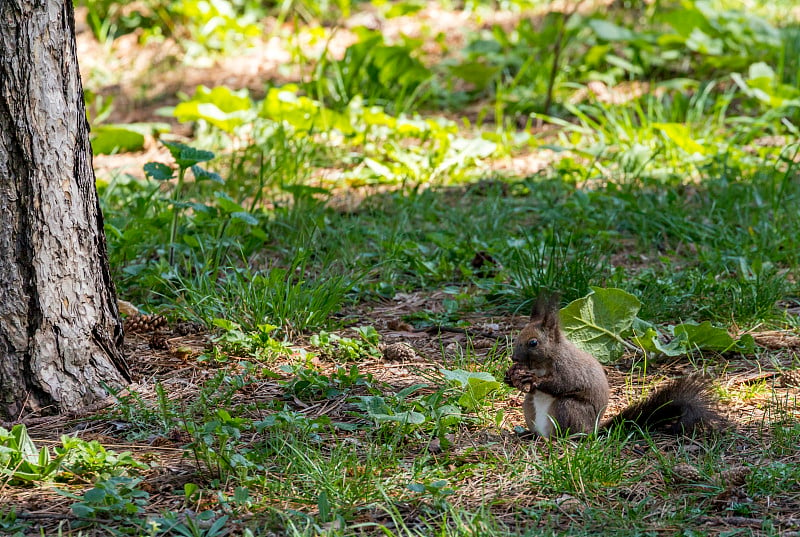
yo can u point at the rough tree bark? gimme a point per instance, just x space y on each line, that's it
60 332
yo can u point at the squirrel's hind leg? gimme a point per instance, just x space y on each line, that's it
573 416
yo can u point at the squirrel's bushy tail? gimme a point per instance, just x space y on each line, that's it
676 407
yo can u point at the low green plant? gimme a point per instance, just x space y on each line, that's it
89 459
201 27
13 527
344 349
215 446
387 75
396 409
143 417
258 344
116 500
204 524
22 463
339 477
475 387
750 295
309 384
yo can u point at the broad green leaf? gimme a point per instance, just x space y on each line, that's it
761 70
447 414
108 139
201 174
226 204
704 336
701 42
406 417
405 392
189 490
374 405
94 495
477 390
225 324
463 377
680 135
24 444
158 171
690 337
650 342
379 169
475 72
186 156
244 216
608 31
598 322
746 344
221 107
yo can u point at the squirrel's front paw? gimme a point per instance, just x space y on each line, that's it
520 377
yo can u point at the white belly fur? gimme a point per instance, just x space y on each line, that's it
542 423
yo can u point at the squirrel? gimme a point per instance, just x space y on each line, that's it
566 391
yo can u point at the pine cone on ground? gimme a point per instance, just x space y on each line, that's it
145 323
399 352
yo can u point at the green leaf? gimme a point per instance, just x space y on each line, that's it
650 342
680 135
598 322
201 174
226 204
189 490
379 169
108 139
689 337
477 390
186 156
95 495
475 72
705 337
24 444
463 377
225 324
405 392
374 405
245 217
608 31
158 171
221 107
406 417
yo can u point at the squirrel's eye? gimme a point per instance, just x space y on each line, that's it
533 342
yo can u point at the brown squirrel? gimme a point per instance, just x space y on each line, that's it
567 391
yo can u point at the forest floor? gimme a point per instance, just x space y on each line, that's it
352 415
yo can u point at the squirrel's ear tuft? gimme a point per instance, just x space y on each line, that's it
539 310
545 311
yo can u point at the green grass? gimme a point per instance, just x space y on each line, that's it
369 193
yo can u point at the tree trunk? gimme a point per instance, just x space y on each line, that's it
60 332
